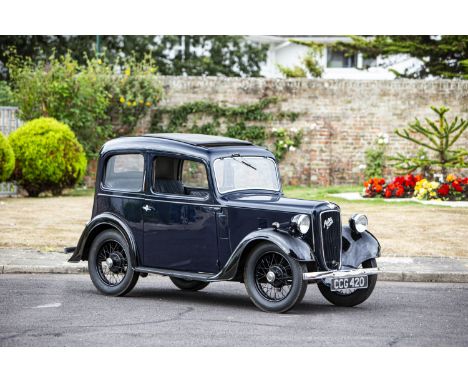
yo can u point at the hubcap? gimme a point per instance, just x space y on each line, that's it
273 276
270 276
112 263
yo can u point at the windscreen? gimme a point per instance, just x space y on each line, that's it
246 173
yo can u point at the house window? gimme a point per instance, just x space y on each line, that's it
338 59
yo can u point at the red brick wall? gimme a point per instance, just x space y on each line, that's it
340 118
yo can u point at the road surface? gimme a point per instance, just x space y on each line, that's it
66 310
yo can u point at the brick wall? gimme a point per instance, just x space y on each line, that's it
340 118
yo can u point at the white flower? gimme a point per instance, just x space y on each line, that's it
275 129
362 166
294 130
380 141
292 148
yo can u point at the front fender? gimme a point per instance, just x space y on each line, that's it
98 224
290 245
361 247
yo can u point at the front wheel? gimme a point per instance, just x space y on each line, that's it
351 297
274 281
110 265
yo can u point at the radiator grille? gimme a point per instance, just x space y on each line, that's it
330 229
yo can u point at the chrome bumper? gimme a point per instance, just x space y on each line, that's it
343 273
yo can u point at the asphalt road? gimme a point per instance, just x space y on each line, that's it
66 310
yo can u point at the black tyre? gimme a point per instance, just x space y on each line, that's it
351 297
274 280
192 285
110 265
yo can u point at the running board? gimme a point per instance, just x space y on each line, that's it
343 273
181 274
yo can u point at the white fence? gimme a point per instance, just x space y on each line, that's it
9 122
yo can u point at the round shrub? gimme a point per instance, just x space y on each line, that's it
7 159
48 156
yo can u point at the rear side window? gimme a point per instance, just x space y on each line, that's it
194 175
124 172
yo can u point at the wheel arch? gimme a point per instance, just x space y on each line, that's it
290 245
97 225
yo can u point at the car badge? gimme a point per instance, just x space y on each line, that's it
328 223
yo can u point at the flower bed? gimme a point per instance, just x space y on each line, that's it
452 189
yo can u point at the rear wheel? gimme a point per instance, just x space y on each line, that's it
351 297
192 285
110 265
274 281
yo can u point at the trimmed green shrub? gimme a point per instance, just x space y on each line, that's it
48 156
7 159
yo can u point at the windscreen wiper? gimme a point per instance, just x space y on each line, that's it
236 158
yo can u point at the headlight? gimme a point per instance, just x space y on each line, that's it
301 223
358 223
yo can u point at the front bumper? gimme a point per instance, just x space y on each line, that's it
341 273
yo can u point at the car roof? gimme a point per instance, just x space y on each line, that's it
199 145
202 140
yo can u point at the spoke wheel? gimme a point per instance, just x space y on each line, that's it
274 281
273 276
110 265
351 296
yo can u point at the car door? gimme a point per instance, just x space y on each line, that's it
179 219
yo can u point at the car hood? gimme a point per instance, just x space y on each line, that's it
277 202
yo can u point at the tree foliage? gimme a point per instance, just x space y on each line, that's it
174 55
443 56
309 63
91 98
439 137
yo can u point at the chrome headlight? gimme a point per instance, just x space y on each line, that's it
358 223
301 223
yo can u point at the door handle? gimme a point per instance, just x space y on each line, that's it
148 208
215 209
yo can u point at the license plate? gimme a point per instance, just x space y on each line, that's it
355 282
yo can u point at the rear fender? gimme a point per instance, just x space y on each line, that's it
362 247
95 226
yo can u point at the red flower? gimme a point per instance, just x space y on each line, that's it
400 191
443 190
388 193
457 186
378 188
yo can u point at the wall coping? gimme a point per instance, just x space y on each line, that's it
298 83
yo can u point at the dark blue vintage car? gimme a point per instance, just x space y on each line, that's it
201 209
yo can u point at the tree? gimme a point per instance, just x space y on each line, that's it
439 137
310 65
195 55
441 56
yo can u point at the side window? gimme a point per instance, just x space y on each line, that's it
179 177
194 175
124 172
